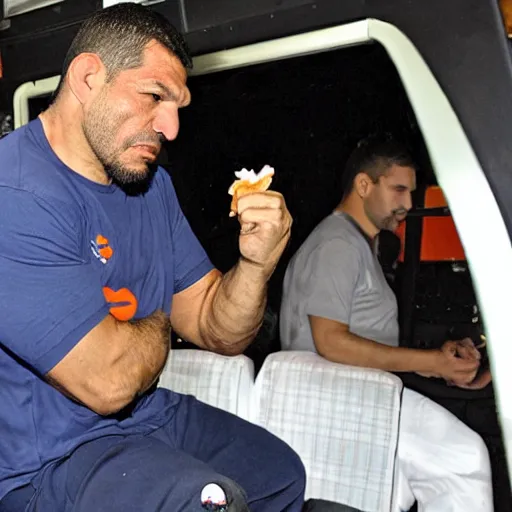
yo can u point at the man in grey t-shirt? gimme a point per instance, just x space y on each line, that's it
336 301
358 296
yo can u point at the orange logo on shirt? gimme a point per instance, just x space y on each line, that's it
123 303
103 248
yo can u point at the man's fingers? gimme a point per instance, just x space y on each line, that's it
463 377
247 227
467 342
466 348
258 215
466 365
467 352
261 200
480 382
253 219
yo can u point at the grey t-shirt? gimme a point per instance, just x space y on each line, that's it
336 275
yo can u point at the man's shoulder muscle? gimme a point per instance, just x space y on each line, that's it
28 167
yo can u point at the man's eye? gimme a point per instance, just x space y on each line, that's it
156 97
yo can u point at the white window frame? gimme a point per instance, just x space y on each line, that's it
17 7
479 222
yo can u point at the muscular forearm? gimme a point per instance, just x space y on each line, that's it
114 363
146 350
348 348
223 313
234 313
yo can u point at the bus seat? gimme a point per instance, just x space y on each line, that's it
341 420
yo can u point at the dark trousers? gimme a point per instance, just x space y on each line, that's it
166 470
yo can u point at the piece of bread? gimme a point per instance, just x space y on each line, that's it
249 182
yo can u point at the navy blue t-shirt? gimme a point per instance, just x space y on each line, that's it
71 252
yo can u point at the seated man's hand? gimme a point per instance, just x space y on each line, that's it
480 382
265 228
466 349
458 363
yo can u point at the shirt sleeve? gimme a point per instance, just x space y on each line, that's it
333 270
191 262
50 294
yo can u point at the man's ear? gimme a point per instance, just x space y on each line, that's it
86 75
363 184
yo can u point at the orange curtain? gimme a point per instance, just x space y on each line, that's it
440 240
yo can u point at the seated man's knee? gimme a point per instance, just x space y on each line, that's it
300 471
483 462
476 456
294 467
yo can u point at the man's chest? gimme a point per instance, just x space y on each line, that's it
373 295
130 247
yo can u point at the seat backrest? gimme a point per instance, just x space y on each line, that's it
341 420
222 381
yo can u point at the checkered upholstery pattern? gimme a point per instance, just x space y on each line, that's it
341 420
222 381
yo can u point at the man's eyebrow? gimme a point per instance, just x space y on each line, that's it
170 93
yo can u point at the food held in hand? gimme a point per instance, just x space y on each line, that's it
249 182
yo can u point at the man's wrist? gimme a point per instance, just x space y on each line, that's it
433 362
260 272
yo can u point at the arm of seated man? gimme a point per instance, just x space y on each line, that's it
335 342
223 313
114 363
218 312
55 317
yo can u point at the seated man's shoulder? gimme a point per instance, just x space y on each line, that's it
319 255
162 186
11 155
335 231
32 173
325 240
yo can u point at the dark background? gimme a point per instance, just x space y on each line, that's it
302 116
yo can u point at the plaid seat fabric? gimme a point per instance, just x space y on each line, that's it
341 420
222 381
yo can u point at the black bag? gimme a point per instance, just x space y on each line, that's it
326 506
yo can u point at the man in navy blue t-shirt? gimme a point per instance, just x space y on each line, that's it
97 262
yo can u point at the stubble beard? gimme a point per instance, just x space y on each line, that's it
99 131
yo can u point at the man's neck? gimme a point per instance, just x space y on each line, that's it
357 213
66 138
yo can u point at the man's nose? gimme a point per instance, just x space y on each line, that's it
167 121
408 202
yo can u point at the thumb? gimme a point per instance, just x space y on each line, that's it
245 227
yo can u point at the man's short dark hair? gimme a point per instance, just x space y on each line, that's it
119 35
374 156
